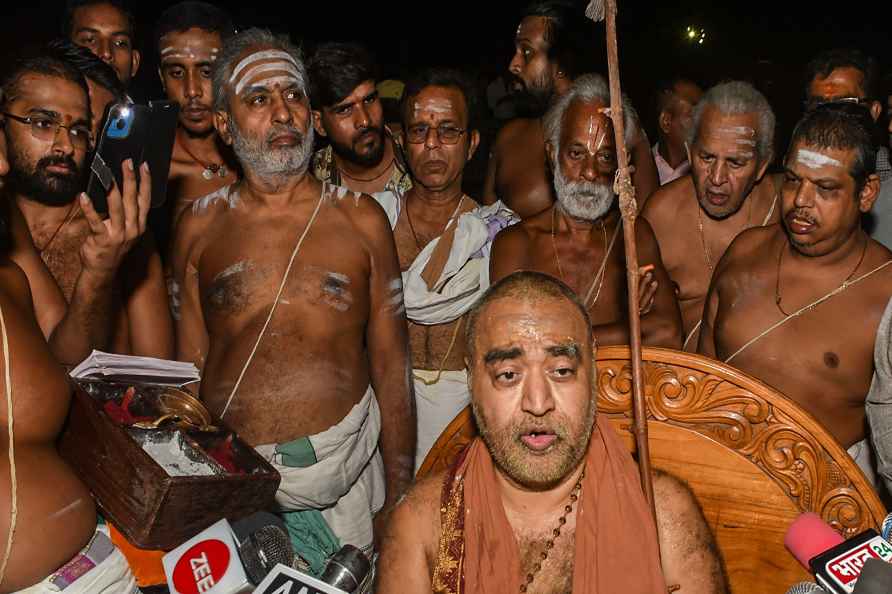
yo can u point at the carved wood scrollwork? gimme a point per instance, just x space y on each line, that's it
748 424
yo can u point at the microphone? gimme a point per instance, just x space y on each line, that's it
348 571
228 559
263 542
876 578
886 529
835 563
806 588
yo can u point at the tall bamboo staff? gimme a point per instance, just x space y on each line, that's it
598 10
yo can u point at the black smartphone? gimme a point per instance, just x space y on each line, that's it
144 133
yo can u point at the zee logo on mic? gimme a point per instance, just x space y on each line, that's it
201 567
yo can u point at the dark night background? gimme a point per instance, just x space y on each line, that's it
767 43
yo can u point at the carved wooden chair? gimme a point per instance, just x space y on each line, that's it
753 458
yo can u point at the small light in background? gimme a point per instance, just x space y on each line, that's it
695 34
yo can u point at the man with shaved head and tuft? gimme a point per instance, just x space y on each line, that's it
292 307
547 499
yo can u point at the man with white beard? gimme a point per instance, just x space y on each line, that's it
578 239
291 304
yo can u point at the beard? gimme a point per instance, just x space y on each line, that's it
264 160
35 183
367 159
532 100
538 471
587 201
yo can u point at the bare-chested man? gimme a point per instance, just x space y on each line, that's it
189 36
547 500
727 191
551 45
55 524
675 110
362 154
579 238
291 305
443 242
105 27
798 305
47 127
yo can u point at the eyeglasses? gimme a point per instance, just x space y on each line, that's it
446 134
815 102
45 128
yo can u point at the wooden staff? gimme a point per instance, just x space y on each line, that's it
629 210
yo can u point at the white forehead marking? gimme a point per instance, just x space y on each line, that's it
439 106
743 130
815 160
173 52
256 57
252 74
167 50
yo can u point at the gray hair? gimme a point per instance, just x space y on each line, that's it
588 88
734 98
235 46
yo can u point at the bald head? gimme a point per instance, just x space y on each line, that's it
528 286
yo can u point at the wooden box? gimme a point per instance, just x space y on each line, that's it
152 509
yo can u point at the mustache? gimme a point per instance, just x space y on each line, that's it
587 188
58 160
801 214
280 129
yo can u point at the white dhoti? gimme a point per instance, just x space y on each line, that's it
436 405
346 483
110 575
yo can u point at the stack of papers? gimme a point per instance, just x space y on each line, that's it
126 368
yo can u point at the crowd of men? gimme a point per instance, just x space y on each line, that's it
345 300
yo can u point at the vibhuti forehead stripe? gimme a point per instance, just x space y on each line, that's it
815 160
286 72
258 56
173 53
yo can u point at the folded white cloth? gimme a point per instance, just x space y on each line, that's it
436 405
347 482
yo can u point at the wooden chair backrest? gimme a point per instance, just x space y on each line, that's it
753 458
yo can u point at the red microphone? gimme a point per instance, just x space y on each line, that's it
835 562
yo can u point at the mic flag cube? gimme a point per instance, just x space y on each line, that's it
207 563
285 580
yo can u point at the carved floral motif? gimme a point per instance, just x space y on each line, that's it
746 423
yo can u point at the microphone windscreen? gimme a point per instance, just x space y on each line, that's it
263 542
876 578
886 531
806 588
810 536
347 568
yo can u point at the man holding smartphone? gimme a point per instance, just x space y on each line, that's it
114 296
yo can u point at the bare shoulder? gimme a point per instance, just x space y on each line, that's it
362 211
750 247
687 546
203 212
664 204
421 504
674 498
414 524
514 131
14 283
